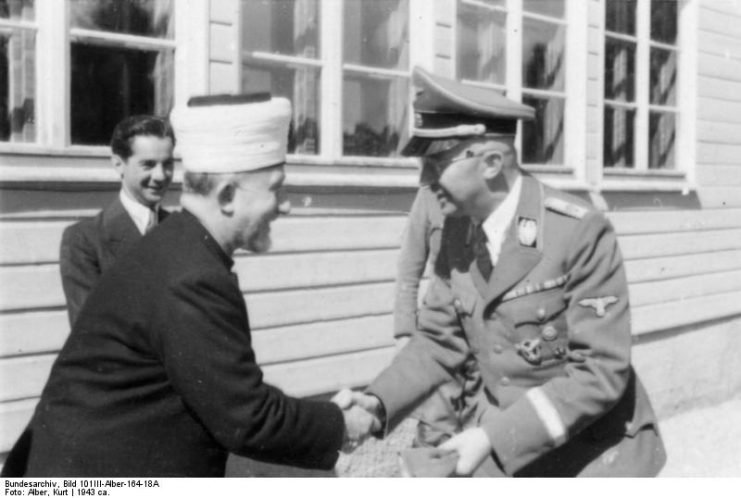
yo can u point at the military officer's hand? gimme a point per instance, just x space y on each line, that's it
472 446
359 411
359 424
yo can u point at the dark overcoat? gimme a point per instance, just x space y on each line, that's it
158 376
550 333
90 247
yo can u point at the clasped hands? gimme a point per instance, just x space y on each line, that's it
361 416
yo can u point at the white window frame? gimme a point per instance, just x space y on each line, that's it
10 26
640 178
330 63
572 173
54 36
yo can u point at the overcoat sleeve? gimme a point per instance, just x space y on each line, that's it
204 339
79 268
429 359
598 369
411 265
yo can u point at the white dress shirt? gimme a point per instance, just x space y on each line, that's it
496 224
139 213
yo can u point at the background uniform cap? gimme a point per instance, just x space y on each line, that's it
446 109
232 133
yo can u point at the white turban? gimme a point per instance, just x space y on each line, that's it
230 138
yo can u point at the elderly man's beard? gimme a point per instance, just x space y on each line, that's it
260 240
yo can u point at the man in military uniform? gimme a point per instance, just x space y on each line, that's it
530 282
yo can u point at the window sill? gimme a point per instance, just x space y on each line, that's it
628 180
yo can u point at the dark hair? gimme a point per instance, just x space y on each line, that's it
133 126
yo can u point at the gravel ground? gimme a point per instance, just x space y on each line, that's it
704 442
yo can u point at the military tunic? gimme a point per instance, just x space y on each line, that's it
550 331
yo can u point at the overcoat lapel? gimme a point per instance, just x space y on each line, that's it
118 227
516 260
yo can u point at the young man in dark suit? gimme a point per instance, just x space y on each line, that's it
530 283
158 376
141 149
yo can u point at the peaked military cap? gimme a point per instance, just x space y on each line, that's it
445 109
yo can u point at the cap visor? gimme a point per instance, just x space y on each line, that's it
416 146
428 176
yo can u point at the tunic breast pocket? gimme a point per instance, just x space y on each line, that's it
540 328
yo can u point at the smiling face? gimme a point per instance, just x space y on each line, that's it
259 198
147 172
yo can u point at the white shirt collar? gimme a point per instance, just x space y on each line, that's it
496 224
138 212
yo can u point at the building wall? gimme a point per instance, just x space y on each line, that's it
320 303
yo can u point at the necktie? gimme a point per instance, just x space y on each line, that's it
152 222
481 252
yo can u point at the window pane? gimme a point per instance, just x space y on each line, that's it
664 21
17 10
300 86
543 138
620 16
619 140
663 77
288 27
377 33
661 136
543 55
553 8
374 115
482 54
619 70
17 86
109 84
135 17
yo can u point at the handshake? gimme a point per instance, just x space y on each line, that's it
362 413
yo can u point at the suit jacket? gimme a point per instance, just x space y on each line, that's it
90 247
158 376
550 332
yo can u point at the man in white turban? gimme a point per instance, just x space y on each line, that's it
158 376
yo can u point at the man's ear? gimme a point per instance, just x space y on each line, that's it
118 164
225 193
493 163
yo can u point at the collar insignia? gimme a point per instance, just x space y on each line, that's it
527 231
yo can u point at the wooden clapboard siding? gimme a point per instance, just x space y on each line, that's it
673 314
651 269
680 289
299 306
32 332
14 416
24 377
669 244
653 222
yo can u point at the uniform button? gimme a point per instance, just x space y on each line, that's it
549 333
541 314
457 304
498 348
504 381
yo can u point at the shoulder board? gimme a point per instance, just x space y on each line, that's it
565 207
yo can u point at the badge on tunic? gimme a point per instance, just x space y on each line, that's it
527 231
530 350
599 304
